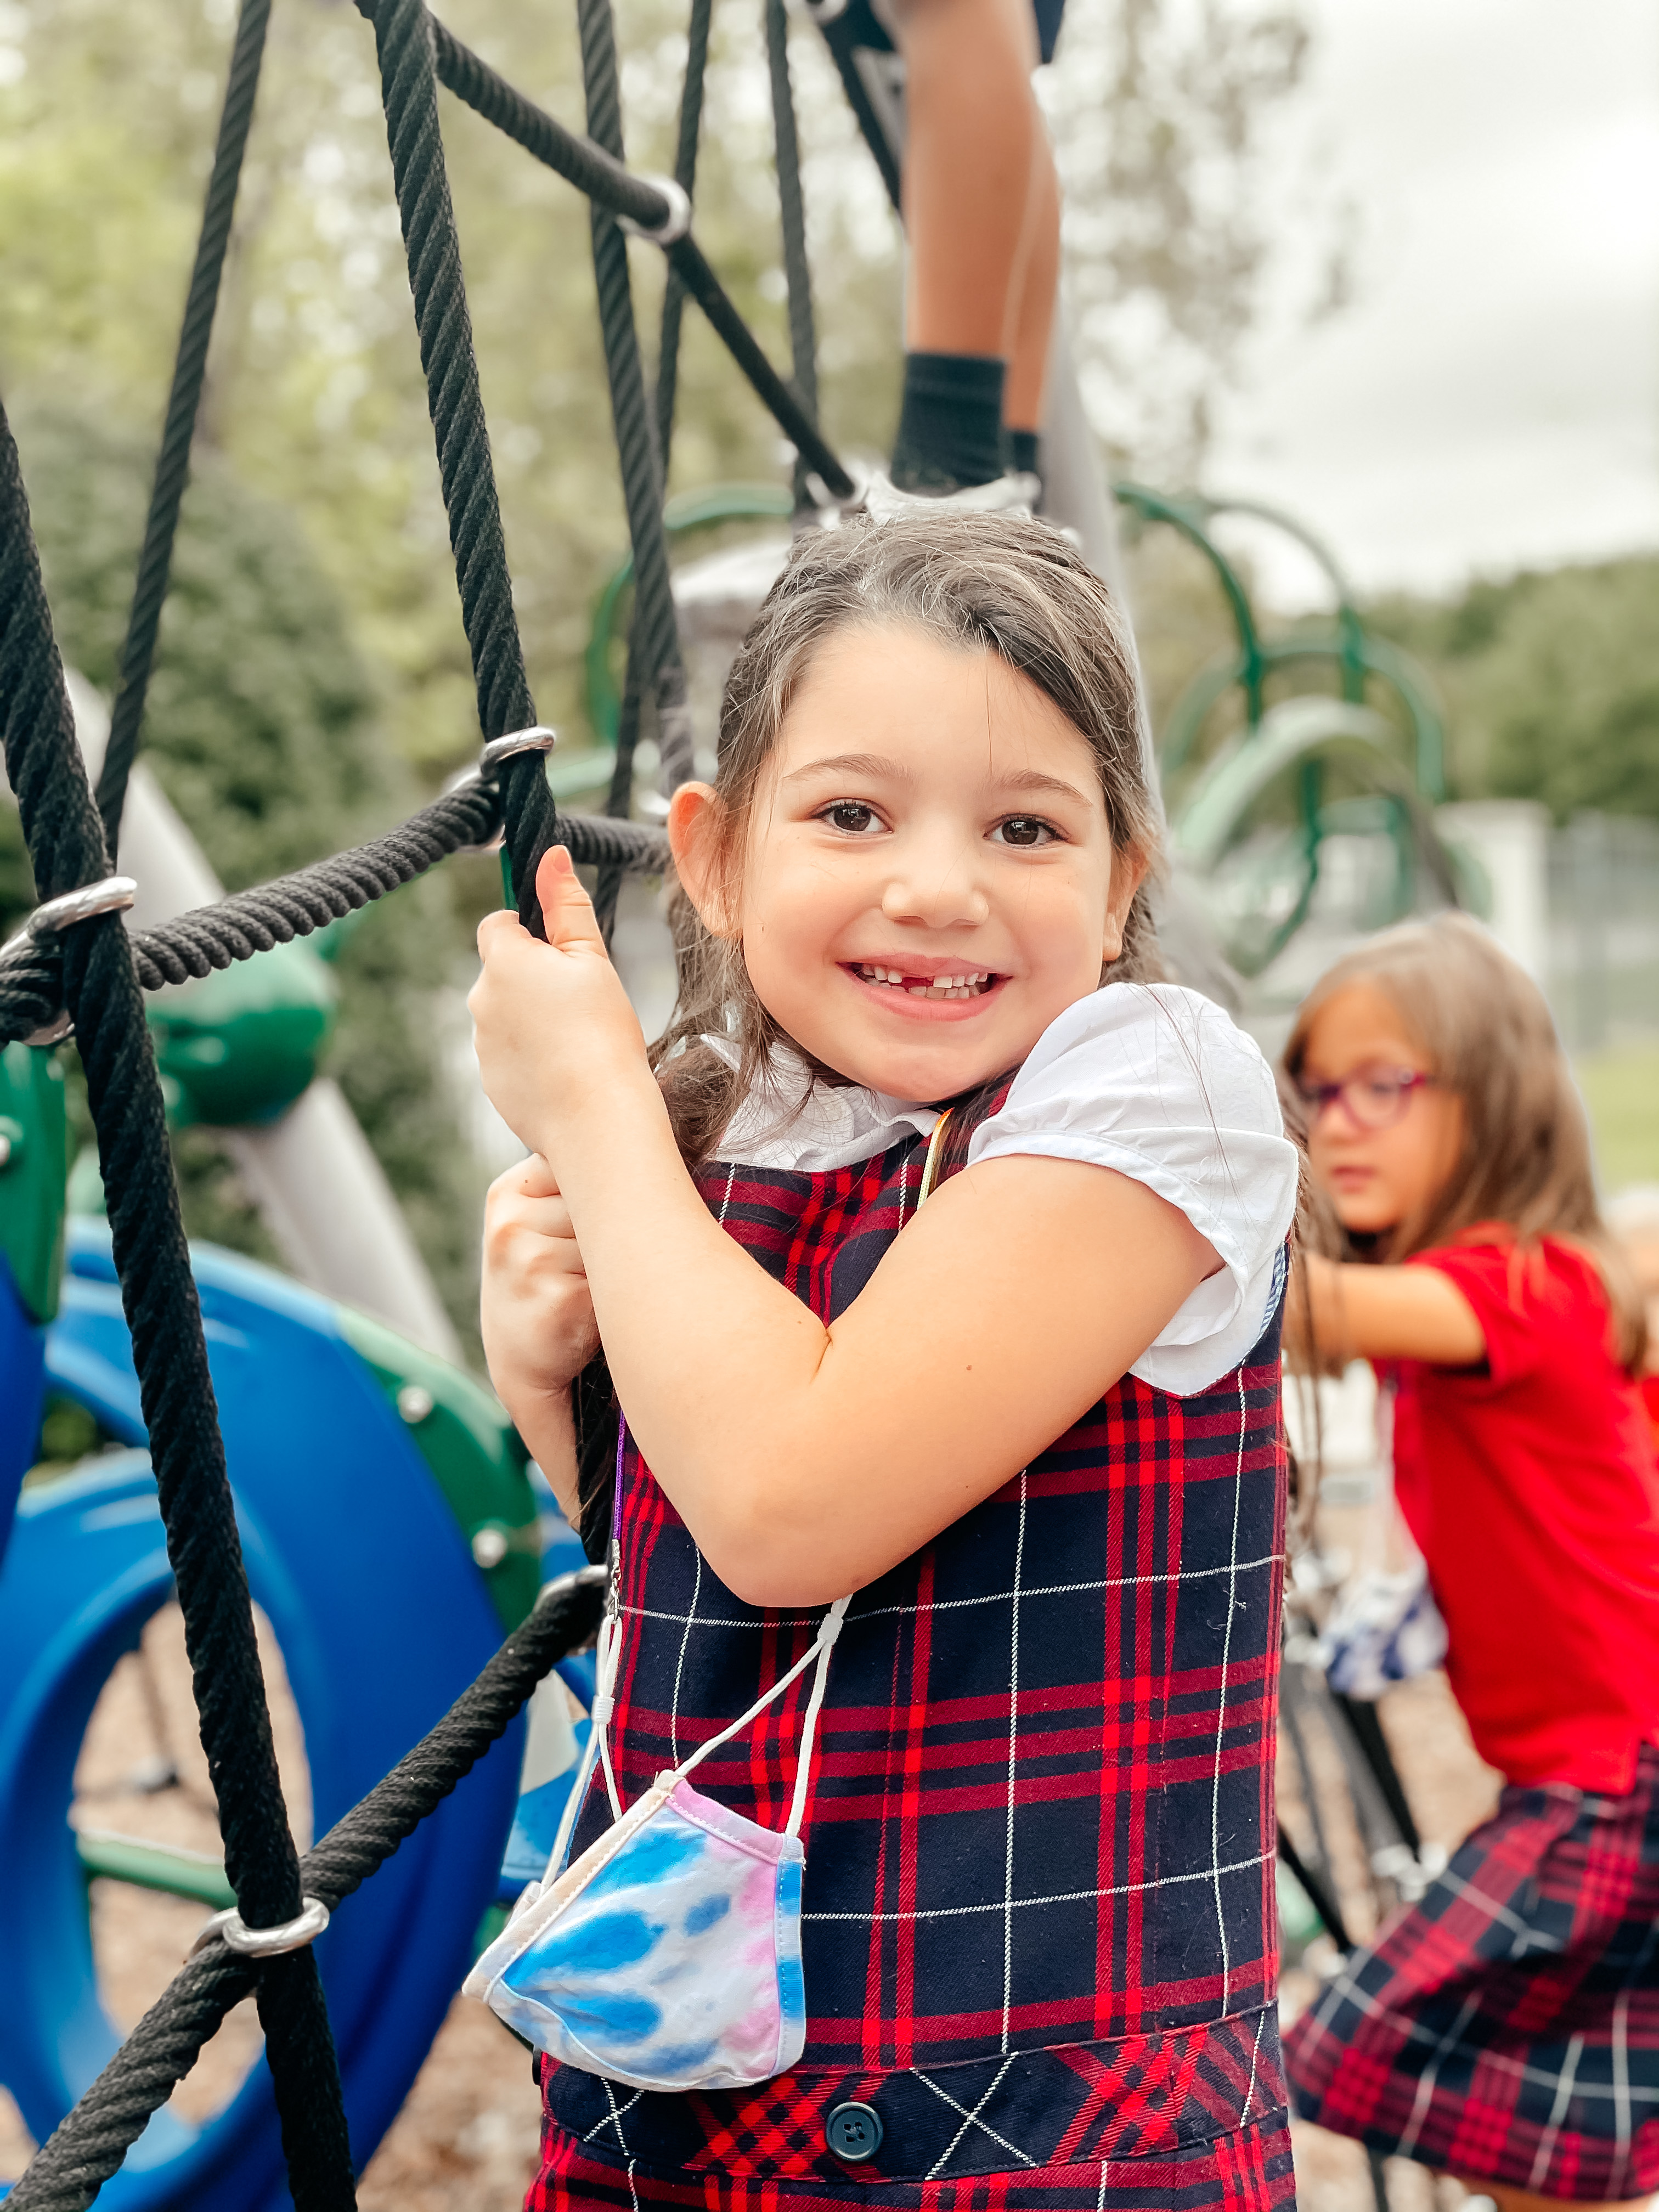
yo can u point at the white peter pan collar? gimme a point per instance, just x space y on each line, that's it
796 1124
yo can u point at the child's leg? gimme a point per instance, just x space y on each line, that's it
1032 316
976 172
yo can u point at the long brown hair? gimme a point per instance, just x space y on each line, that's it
973 582
1487 1030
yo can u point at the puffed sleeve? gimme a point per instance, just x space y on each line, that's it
1161 1084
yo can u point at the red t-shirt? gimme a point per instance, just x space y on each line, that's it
1530 1484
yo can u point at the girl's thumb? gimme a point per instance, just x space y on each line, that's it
566 911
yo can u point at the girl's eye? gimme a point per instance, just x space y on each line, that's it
1024 832
851 815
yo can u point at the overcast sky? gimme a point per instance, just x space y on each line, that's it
1492 400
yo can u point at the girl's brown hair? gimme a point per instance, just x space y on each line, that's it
1487 1032
976 582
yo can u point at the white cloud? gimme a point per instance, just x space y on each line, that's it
1493 397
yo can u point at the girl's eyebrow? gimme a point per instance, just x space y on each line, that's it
1032 779
877 766
869 764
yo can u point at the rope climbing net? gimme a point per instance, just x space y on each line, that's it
76 966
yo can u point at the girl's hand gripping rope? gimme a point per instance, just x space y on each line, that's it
553 1028
550 1020
536 1314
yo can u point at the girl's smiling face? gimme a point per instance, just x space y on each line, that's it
929 877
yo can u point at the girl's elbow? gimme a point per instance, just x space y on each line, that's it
771 1572
767 1562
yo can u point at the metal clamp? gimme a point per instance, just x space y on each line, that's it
265 1942
114 896
674 225
540 739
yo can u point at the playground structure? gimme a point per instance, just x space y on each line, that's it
360 1461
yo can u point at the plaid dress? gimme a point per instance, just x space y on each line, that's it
1506 2028
1038 1926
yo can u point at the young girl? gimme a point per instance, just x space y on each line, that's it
936 1265
1506 2029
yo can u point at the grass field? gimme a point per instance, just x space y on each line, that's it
1621 1090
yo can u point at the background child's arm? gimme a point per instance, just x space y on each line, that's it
1385 1313
807 1460
536 1316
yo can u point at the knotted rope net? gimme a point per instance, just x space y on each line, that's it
92 973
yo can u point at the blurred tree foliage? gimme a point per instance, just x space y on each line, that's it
1551 683
1164 117
1160 111
315 532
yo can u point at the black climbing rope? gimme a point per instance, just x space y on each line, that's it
235 928
619 798
90 973
802 338
184 403
408 90
67 850
86 2150
685 176
656 628
606 181
840 35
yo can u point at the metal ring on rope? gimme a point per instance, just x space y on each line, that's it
229 1927
537 739
114 894
675 224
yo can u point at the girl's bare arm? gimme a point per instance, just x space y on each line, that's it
805 1459
1384 1313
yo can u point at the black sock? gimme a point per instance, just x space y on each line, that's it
1020 449
949 432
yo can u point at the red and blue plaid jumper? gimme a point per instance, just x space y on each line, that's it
1038 1927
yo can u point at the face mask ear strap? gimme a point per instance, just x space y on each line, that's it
819 1649
604 1702
827 1635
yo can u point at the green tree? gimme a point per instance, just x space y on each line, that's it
1551 681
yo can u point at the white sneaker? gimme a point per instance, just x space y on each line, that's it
1016 493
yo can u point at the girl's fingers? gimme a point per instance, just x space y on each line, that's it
533 1178
567 910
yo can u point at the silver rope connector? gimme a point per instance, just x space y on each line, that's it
112 896
294 1934
540 739
674 225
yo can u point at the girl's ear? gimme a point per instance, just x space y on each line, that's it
697 821
1129 873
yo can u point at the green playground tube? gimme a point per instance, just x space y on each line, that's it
144 1865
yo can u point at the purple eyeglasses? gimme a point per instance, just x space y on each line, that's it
1374 1098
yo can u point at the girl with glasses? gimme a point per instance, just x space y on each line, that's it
1506 2028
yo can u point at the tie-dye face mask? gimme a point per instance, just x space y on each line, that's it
668 1957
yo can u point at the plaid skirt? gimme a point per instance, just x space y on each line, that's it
1121 2152
1506 2028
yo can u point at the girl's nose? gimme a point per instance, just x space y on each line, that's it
938 886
